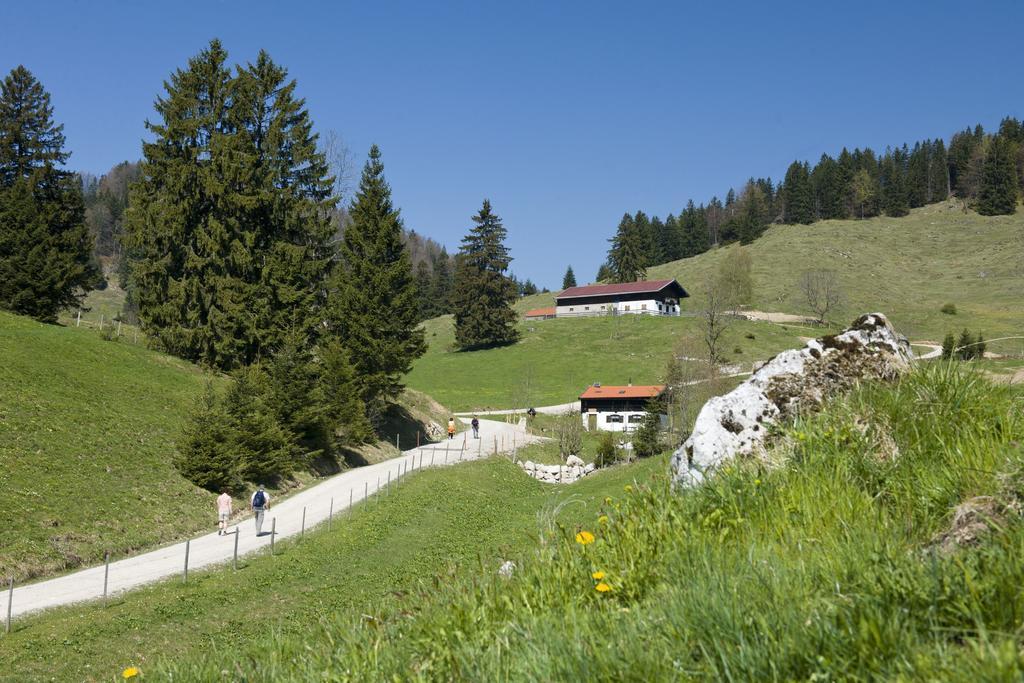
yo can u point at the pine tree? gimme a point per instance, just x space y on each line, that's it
441 284
265 451
206 454
627 257
569 280
604 273
375 312
295 395
938 173
344 410
230 224
424 295
797 195
647 439
645 232
483 294
45 247
949 346
998 195
894 184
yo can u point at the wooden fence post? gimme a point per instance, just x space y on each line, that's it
10 602
302 533
330 514
273 534
106 574
184 578
234 558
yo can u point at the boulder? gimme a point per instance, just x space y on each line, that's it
800 379
574 461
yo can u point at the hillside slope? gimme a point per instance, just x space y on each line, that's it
908 268
87 429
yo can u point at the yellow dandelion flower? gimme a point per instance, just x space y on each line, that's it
603 519
597 576
757 482
602 587
584 538
130 672
629 488
607 500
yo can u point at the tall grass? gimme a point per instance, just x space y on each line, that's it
821 568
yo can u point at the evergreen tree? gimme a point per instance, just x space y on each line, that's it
483 293
627 257
938 173
424 291
647 439
645 232
206 454
797 195
45 247
894 184
752 218
949 346
264 450
604 273
917 174
375 311
230 224
569 280
998 195
673 239
345 413
441 284
296 397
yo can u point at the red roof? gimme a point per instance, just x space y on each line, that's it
650 391
538 312
639 287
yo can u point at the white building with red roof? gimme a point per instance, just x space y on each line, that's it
617 408
645 297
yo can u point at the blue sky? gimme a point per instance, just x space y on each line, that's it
565 115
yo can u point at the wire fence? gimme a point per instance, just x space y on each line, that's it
426 455
109 327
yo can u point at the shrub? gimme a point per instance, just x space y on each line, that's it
949 309
606 450
570 434
750 335
737 350
948 346
647 440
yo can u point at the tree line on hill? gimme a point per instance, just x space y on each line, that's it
237 256
985 171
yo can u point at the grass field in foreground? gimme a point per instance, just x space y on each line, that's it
844 562
460 521
555 360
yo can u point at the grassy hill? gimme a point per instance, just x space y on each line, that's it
555 360
87 429
886 546
87 434
908 268
439 524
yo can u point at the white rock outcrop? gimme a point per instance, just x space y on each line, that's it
574 461
738 422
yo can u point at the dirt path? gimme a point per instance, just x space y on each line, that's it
315 504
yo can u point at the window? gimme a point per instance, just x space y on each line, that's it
643 307
570 309
627 307
586 308
634 419
613 418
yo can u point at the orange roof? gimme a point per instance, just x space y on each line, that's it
649 391
550 310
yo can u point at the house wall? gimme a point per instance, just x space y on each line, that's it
625 425
636 307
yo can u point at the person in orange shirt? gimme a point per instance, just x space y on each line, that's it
451 428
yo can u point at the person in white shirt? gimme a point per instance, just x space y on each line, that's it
260 503
223 511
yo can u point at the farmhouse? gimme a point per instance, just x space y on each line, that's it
617 409
540 313
646 297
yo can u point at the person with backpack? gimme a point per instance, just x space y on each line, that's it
260 503
476 427
223 512
451 428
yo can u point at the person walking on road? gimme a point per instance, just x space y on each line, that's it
476 427
260 503
451 428
223 512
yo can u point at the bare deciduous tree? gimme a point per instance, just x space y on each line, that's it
340 162
734 278
821 291
570 434
715 318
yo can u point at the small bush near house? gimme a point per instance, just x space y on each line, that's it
949 309
606 453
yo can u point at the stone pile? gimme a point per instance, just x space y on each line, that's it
573 470
795 380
